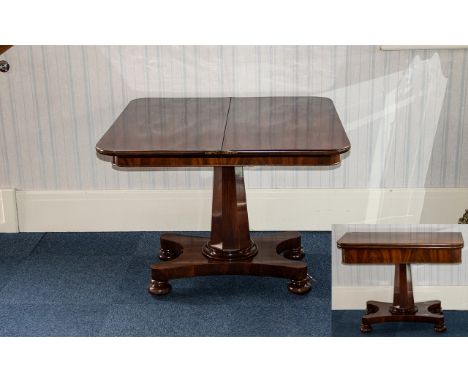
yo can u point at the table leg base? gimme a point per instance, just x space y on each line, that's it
291 248
301 286
184 258
379 312
159 288
170 249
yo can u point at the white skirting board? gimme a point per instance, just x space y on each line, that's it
8 213
269 209
452 297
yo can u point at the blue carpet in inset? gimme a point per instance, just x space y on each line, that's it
95 284
345 323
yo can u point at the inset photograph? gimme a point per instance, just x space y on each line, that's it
399 280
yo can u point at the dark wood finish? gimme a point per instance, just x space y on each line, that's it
230 249
401 240
377 312
400 255
189 262
228 160
285 124
230 236
287 131
169 132
153 127
4 48
402 249
169 249
403 300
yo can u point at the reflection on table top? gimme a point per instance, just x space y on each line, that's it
220 126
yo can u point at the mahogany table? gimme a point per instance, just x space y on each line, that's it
402 249
227 134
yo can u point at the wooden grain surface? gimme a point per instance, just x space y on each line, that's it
286 124
401 247
226 131
227 160
401 239
155 126
4 48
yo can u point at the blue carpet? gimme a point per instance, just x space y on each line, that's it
345 323
95 284
14 248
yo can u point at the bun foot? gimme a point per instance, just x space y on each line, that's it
301 286
365 328
167 254
440 328
294 253
290 246
170 247
435 308
159 288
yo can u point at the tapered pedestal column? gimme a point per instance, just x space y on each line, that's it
230 249
403 307
230 236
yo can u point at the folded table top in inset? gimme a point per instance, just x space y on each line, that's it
401 247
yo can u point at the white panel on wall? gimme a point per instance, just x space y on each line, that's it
404 111
8 211
269 209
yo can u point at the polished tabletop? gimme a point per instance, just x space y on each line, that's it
294 124
401 239
153 125
234 128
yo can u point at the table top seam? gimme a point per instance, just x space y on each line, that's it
226 123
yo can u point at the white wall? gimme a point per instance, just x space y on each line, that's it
404 111
269 210
8 211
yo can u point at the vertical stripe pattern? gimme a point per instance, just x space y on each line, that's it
404 111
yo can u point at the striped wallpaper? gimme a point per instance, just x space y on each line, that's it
404 111
382 275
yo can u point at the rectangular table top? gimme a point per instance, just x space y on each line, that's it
401 247
150 126
401 240
222 131
299 124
